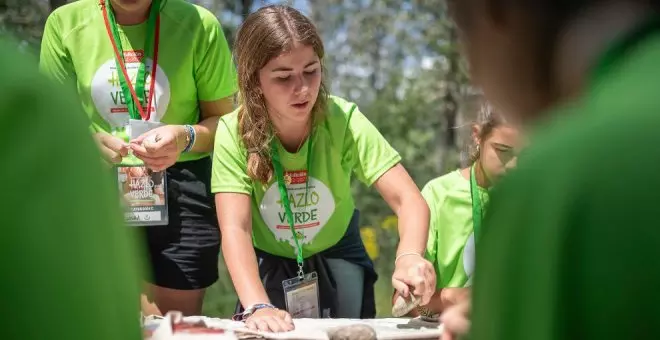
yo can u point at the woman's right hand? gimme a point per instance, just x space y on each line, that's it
270 320
113 149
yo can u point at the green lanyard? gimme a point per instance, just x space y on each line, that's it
135 96
284 195
477 208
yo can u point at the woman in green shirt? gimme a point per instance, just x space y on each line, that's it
282 170
153 76
571 242
457 202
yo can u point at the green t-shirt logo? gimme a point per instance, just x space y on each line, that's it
109 99
310 214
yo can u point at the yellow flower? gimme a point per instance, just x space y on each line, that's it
390 223
370 241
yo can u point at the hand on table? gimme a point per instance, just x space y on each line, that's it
270 320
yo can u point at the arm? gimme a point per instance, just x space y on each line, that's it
401 194
210 111
215 77
235 220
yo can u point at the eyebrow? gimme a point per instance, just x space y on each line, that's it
285 69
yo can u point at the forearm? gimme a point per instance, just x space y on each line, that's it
205 134
242 265
413 225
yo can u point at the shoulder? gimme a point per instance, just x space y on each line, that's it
440 186
230 121
339 107
74 16
191 15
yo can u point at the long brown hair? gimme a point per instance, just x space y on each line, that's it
264 35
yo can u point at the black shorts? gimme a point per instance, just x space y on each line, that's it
184 254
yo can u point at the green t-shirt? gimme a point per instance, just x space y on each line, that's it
571 246
194 63
69 269
345 142
450 245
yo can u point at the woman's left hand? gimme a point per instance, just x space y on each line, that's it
414 271
160 148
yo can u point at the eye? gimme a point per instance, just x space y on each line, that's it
283 79
310 72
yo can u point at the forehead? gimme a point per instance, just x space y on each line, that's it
298 56
505 134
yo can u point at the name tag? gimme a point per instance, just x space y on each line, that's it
144 195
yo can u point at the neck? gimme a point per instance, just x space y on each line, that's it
292 135
585 40
127 18
482 179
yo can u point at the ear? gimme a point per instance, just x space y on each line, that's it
476 132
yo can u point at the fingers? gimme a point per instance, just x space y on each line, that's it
401 287
416 279
420 277
110 156
456 319
155 163
112 148
271 321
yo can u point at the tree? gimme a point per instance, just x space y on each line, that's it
54 4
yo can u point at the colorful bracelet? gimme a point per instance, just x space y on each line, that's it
192 136
250 310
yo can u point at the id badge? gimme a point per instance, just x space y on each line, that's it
302 296
137 127
143 191
143 194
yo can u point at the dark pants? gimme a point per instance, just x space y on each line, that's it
275 269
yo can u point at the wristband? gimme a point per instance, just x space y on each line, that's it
190 138
250 310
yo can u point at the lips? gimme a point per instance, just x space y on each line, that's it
300 105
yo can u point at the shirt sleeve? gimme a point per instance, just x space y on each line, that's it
215 73
432 243
54 60
229 163
366 149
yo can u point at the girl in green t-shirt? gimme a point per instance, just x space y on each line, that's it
282 169
153 76
457 202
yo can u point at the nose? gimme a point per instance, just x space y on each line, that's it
301 85
512 163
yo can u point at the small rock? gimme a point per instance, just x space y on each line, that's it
352 332
402 306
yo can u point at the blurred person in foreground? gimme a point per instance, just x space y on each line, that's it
68 267
570 246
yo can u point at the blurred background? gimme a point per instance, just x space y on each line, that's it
397 59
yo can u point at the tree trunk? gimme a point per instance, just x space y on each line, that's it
54 4
246 5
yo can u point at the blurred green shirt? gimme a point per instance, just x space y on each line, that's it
571 244
68 269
